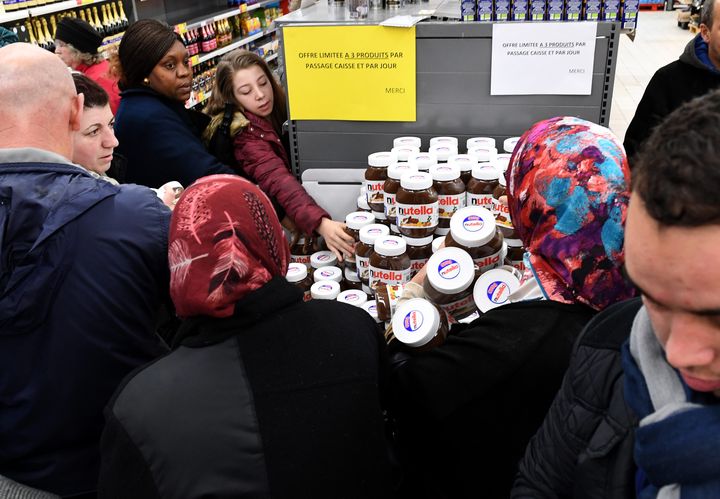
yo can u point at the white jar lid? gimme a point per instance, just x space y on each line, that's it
444 141
485 171
416 181
390 246
352 297
325 290
418 241
396 170
472 226
362 202
437 242
371 308
510 143
415 322
322 259
327 274
450 270
443 151
423 160
350 275
514 243
463 161
382 159
480 142
358 219
296 272
404 152
483 154
501 179
443 173
407 141
370 233
502 161
494 288
379 215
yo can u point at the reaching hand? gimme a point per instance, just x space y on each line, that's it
337 240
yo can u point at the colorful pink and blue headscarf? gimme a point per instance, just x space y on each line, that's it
568 191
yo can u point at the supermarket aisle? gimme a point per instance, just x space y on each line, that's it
659 41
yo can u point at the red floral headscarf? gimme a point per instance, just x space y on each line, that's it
225 242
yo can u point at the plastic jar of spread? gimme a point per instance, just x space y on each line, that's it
392 184
352 297
451 142
501 209
362 204
297 274
417 205
483 154
404 152
364 249
419 325
465 163
325 290
324 258
479 142
328 274
353 223
370 307
448 283
351 280
423 161
381 218
394 231
387 298
510 143
443 152
451 194
482 185
437 242
494 288
407 141
515 256
502 161
301 251
473 229
375 176
389 262
419 250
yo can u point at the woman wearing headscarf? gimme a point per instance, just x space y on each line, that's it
264 395
467 409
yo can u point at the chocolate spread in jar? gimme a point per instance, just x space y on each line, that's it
297 274
353 223
473 229
417 205
482 185
451 194
501 210
375 177
364 249
419 250
448 282
419 325
465 163
389 262
391 186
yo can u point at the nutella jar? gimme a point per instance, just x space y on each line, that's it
301 251
392 184
375 176
418 325
351 280
502 161
510 143
515 256
451 194
297 274
437 242
473 230
389 262
364 249
328 274
370 307
479 142
381 218
448 283
352 297
394 231
324 258
325 290
451 142
407 142
482 185
353 223
387 298
443 152
423 161
419 250
501 210
362 204
483 154
417 205
465 163
404 152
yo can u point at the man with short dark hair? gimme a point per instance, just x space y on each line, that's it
641 416
695 73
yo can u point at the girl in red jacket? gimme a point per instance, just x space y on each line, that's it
245 86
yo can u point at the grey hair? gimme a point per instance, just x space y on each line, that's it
86 57
706 15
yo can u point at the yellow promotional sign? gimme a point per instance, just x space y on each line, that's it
353 73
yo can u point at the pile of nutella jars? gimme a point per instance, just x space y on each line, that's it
410 204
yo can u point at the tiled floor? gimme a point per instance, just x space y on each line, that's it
658 42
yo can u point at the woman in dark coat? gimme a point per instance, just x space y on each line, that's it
467 409
264 395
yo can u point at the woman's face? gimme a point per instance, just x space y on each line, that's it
253 90
65 54
172 76
94 143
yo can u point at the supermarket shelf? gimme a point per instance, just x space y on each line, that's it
271 57
233 46
46 9
14 16
228 13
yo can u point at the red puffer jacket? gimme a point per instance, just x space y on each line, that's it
261 155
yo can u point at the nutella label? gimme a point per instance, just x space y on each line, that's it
385 276
363 267
375 191
416 265
518 264
482 200
304 259
417 216
448 269
449 204
473 223
461 308
502 214
413 321
489 262
353 298
390 209
498 292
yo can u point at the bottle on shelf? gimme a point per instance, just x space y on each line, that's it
106 23
30 35
98 25
82 15
50 39
53 26
123 17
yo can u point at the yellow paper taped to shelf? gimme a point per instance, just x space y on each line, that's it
353 73
181 28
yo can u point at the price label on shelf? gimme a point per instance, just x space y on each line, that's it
243 8
181 28
194 60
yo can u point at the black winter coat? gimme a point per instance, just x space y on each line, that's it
467 409
670 87
281 400
584 448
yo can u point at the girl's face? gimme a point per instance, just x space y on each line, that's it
253 90
94 143
172 76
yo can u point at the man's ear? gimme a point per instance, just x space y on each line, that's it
705 33
76 112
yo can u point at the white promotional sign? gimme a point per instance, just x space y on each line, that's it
542 58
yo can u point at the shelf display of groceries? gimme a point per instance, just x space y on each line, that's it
625 11
411 203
